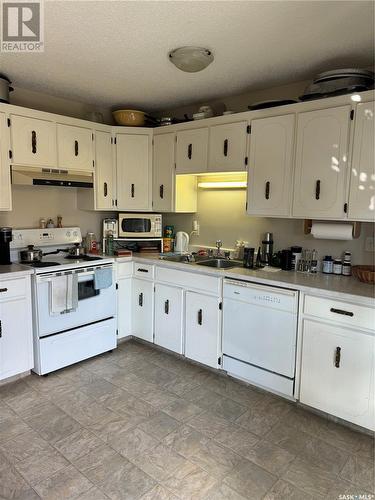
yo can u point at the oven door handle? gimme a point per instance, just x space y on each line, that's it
91 272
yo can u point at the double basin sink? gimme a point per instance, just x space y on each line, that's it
215 262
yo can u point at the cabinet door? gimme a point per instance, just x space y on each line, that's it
33 141
227 148
75 147
133 172
124 307
270 166
362 182
168 317
142 309
337 373
191 151
103 171
163 173
202 327
321 163
16 348
5 187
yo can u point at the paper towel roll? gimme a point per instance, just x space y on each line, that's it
330 231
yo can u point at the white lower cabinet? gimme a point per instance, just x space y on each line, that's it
169 317
124 307
142 309
202 328
16 336
337 371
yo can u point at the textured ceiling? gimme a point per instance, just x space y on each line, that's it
115 52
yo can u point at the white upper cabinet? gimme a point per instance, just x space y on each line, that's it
33 141
5 187
191 151
227 147
134 169
103 171
271 166
75 147
321 163
362 181
163 172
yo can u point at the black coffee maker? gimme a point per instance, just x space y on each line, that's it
5 239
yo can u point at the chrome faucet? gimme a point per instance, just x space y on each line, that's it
219 244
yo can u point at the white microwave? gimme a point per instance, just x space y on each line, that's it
139 226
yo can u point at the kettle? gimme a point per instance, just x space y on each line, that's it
181 242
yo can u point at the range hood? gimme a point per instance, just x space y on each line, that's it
35 176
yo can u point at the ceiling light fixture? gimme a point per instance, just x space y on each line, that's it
191 59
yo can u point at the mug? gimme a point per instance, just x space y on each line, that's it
248 257
286 260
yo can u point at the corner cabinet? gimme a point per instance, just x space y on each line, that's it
5 186
75 148
321 165
16 335
227 147
192 151
134 171
33 141
271 166
362 179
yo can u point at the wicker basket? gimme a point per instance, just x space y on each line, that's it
364 273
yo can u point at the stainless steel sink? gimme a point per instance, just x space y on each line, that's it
176 258
220 263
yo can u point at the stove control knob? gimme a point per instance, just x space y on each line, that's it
68 234
75 233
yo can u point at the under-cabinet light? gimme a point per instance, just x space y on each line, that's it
223 185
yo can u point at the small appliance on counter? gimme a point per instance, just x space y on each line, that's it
139 225
5 239
267 249
110 233
181 244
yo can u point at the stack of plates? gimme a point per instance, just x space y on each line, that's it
339 81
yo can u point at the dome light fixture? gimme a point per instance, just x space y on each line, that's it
191 59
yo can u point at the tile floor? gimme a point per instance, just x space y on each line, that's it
140 423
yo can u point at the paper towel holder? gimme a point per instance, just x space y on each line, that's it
307 224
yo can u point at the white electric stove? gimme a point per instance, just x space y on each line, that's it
86 325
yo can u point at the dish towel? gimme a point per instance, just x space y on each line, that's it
102 278
63 294
71 292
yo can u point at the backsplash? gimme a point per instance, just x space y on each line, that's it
221 215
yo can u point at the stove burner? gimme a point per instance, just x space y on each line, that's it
83 257
42 264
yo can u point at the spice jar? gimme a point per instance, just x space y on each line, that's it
327 264
337 266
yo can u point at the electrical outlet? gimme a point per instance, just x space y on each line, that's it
370 244
196 227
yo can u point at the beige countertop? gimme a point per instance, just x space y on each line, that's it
340 287
14 270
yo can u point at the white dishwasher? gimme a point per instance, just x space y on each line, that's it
260 334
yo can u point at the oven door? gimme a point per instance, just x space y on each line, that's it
93 305
136 227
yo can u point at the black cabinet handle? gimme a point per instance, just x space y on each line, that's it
2 290
338 357
190 151
317 190
267 190
33 141
226 147
75 148
166 306
140 299
105 189
132 190
200 317
142 270
341 311
1 330
161 191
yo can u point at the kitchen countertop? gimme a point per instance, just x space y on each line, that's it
340 287
14 270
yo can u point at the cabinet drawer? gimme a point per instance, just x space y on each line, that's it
145 271
124 269
192 281
340 312
13 288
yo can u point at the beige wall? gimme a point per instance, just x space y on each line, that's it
221 214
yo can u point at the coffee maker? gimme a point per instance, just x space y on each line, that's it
267 249
5 239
